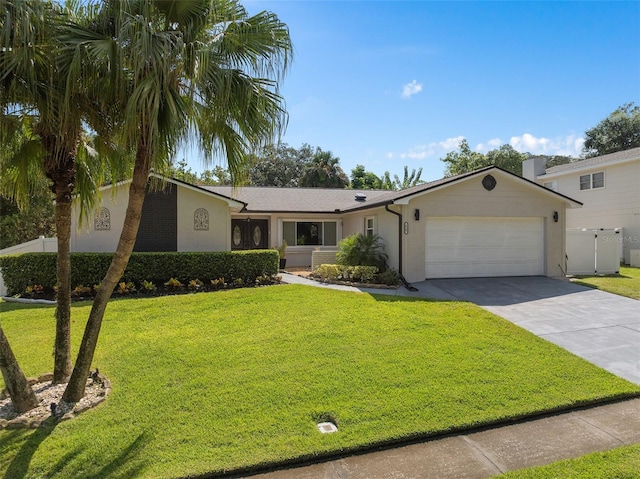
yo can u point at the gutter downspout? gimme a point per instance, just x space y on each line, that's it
402 278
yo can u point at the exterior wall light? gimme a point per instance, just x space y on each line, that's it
555 216
416 214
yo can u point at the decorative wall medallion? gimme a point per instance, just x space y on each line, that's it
237 236
489 182
257 236
102 221
201 220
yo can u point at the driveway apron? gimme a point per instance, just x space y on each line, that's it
601 327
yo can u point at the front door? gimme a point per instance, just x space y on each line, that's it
249 234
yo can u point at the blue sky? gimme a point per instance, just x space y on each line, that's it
392 83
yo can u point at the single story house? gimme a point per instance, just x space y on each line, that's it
608 186
485 223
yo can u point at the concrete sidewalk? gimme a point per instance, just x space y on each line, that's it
489 452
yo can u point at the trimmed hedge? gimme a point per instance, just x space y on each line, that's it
88 269
348 273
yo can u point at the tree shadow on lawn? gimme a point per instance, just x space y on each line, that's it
411 299
121 467
6 306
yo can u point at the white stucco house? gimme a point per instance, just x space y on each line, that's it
486 223
609 188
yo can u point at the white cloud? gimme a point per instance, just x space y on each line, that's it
570 145
492 144
449 144
420 152
411 89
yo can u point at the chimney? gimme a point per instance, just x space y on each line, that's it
534 167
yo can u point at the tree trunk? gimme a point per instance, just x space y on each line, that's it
75 389
22 395
62 173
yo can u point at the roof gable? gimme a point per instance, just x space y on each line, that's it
234 203
404 196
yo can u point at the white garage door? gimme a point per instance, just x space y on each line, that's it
463 247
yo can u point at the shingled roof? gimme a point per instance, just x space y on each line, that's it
299 200
322 200
619 156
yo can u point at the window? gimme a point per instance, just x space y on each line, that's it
593 180
597 180
552 185
312 233
369 226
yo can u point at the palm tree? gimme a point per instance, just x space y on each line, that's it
200 70
409 180
30 94
44 100
324 171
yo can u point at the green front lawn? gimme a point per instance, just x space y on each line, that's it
620 463
234 379
627 283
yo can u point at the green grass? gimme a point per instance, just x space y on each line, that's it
627 283
620 463
234 379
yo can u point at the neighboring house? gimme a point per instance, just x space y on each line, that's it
486 223
608 186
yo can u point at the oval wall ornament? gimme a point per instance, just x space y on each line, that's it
489 182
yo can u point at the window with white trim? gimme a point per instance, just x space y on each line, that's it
592 181
552 185
369 226
310 233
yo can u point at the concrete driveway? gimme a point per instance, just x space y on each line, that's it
602 328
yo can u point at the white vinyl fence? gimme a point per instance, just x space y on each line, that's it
594 251
40 245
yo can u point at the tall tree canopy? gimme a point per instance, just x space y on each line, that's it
619 131
280 165
464 160
324 171
364 180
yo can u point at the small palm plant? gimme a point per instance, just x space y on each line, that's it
362 250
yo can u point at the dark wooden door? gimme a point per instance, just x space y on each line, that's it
249 234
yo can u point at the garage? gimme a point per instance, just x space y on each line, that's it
472 246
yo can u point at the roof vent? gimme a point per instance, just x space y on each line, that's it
361 197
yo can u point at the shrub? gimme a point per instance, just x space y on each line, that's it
173 283
364 274
333 272
362 250
125 287
20 271
195 285
148 286
328 271
81 291
389 277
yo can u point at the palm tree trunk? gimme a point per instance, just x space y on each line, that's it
75 389
62 173
22 395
